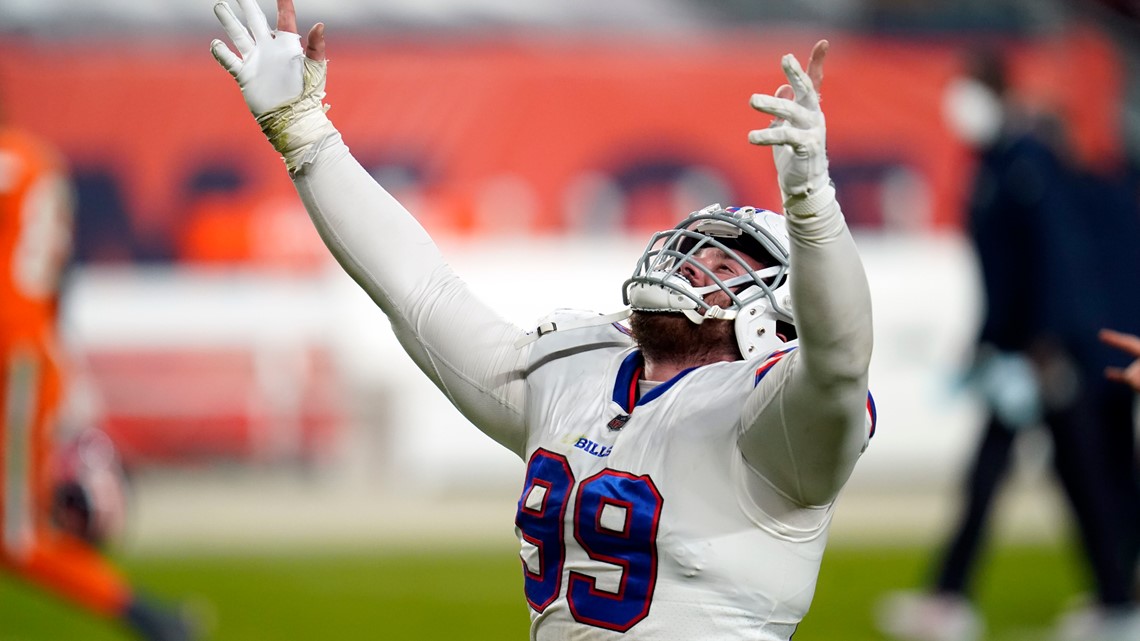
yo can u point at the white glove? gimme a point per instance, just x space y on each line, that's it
798 135
282 87
269 70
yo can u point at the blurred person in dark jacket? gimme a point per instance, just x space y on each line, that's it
1041 229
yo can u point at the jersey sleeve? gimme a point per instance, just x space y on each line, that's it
461 344
805 423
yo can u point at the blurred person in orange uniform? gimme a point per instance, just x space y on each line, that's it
35 245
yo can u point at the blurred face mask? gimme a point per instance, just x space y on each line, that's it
972 111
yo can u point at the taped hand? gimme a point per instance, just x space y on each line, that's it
283 84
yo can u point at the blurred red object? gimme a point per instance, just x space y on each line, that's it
447 123
171 406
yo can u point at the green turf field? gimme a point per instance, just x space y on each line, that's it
476 596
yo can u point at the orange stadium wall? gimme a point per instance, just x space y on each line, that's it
519 134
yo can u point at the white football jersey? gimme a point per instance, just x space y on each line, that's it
639 518
696 511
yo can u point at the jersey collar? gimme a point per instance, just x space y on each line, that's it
626 393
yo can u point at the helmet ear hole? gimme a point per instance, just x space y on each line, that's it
787 330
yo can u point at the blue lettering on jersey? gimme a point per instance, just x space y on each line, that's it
592 448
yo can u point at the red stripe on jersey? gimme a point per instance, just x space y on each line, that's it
770 363
633 390
872 413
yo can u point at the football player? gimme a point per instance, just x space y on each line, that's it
681 473
35 244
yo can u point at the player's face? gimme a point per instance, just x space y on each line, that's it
722 266
670 337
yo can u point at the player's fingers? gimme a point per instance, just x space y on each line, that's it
228 59
784 92
1121 340
797 139
286 16
315 46
255 19
815 64
1126 342
801 84
233 27
1130 375
782 108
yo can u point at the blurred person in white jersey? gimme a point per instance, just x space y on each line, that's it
681 473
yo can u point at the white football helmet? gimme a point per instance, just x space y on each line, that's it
759 299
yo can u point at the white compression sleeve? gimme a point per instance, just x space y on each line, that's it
462 345
805 423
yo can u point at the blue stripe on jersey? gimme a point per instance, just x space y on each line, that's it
873 412
664 387
625 387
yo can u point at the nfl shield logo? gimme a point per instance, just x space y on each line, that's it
618 422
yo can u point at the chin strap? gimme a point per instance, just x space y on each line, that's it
574 323
714 312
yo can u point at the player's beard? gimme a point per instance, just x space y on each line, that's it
669 337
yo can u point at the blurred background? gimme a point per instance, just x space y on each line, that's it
256 397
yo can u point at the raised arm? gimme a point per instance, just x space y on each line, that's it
462 345
807 419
